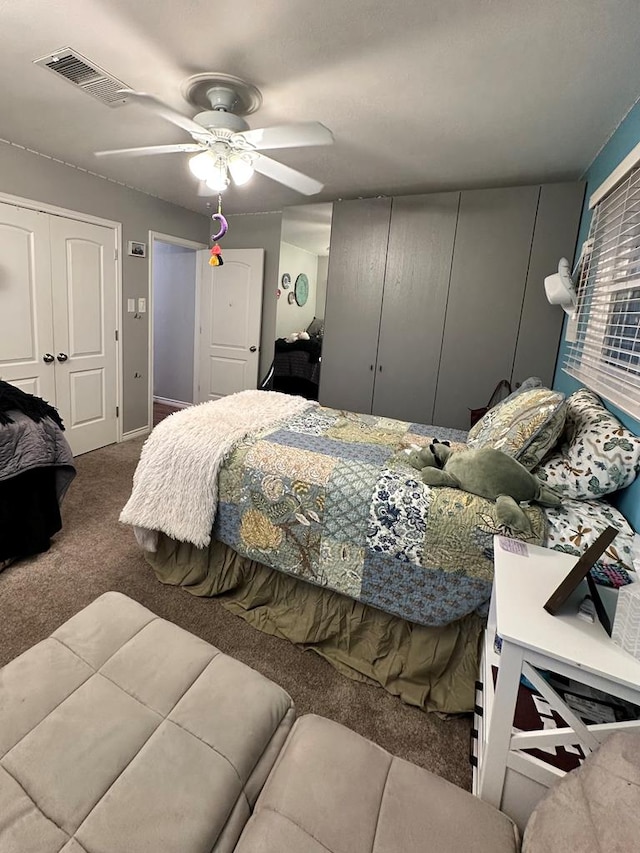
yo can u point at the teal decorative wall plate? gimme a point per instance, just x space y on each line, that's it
301 289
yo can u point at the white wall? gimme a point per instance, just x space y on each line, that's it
295 318
39 178
174 301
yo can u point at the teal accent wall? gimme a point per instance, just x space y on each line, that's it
626 137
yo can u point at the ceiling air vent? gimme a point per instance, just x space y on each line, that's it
88 76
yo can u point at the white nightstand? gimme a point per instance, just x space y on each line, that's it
532 640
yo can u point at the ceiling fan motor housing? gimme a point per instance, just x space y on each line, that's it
220 119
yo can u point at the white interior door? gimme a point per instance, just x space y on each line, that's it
26 326
83 275
229 315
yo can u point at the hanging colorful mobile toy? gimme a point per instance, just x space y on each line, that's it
216 252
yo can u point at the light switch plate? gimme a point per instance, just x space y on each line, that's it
131 306
142 305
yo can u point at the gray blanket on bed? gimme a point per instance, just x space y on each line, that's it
25 444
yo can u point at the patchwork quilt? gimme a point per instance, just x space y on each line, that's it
330 498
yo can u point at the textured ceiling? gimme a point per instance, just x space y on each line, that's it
308 226
421 95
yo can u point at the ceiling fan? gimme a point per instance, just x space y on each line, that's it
224 146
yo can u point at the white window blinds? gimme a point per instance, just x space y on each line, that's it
605 353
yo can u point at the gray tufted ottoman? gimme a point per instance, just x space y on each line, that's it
122 732
332 791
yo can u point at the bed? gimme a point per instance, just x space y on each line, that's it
385 577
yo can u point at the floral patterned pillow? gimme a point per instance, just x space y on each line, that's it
576 524
597 454
525 425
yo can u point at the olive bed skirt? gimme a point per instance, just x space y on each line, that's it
434 668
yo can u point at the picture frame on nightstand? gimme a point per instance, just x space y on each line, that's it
578 573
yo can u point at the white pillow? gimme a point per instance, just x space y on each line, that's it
596 455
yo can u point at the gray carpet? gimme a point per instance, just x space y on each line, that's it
94 553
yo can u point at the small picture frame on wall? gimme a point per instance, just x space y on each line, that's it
138 250
291 298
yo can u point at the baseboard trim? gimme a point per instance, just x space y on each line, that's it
135 433
180 404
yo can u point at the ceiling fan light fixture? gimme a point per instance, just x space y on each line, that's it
218 180
202 165
241 168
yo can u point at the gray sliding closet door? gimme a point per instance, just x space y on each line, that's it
414 301
554 237
490 261
359 233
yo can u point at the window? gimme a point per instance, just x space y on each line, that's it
605 351
622 344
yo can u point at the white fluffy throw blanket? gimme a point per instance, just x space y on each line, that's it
175 486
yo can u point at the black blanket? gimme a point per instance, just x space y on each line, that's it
36 468
313 347
33 407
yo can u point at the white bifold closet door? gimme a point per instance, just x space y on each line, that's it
26 317
58 319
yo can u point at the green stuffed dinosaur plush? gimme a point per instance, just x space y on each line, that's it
486 472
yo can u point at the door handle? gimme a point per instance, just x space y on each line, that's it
252 349
62 356
47 358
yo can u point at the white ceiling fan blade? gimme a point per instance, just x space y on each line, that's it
288 136
286 175
164 110
185 148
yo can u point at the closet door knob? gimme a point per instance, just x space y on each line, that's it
47 358
252 349
62 356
